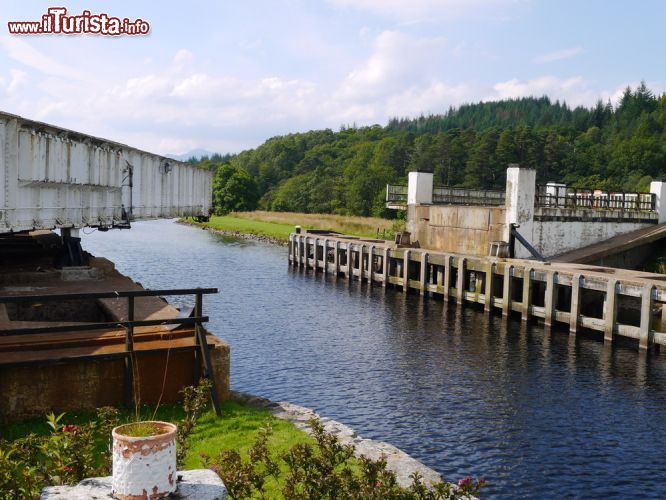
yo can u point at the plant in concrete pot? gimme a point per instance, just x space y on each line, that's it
144 460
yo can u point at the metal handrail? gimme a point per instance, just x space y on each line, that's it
593 199
461 196
201 344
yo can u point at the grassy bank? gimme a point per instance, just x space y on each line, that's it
278 225
236 429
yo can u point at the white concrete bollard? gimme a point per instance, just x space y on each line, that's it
144 467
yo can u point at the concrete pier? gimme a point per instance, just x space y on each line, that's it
614 302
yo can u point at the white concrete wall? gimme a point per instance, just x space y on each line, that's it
419 188
659 188
555 237
54 178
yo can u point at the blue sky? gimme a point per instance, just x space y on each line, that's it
227 75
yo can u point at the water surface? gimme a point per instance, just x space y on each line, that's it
535 412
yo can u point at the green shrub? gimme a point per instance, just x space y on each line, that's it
326 470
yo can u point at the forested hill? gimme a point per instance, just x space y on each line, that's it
612 147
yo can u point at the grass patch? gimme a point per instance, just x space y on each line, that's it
235 429
278 225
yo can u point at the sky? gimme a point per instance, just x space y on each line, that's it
224 76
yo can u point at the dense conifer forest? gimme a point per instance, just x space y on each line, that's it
615 147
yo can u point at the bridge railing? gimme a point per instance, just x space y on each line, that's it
396 194
559 196
456 196
443 195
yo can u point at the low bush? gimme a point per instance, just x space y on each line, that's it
326 469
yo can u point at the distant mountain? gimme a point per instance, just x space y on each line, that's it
186 156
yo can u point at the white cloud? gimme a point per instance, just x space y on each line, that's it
558 55
24 53
396 59
576 91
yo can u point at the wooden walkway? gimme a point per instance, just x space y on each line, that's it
615 302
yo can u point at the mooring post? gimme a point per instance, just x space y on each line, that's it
610 310
405 271
549 299
424 271
130 393
460 285
385 265
447 277
646 317
488 292
575 303
507 290
527 293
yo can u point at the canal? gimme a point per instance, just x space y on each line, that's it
536 413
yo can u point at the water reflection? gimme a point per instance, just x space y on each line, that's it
537 411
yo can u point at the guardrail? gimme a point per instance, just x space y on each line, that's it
396 194
201 347
443 195
554 196
456 196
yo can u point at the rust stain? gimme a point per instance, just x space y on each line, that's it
171 478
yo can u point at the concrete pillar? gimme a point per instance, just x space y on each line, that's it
419 188
610 310
488 306
350 262
315 254
447 277
645 339
507 291
549 299
325 254
371 264
520 193
385 265
405 271
336 258
424 271
575 303
361 254
306 253
460 285
658 187
527 293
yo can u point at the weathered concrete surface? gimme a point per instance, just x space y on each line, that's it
397 460
199 484
456 228
613 246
